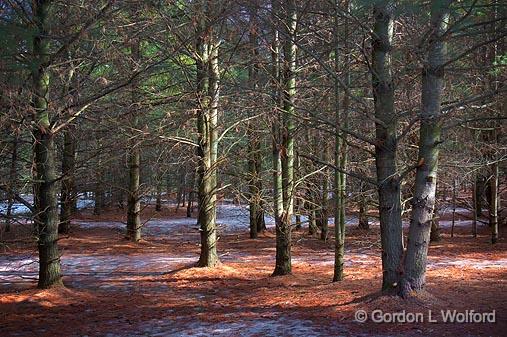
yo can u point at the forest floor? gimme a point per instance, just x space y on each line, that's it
118 288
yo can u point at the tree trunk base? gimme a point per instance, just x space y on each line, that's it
211 263
281 272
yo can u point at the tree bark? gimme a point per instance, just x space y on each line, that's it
254 152
493 207
208 94
388 180
363 210
429 140
286 157
45 182
134 160
323 211
68 191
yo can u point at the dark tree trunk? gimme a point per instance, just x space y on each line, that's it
158 203
480 187
386 148
363 213
45 182
12 182
99 183
323 214
68 192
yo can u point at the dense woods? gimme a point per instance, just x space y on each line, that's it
327 122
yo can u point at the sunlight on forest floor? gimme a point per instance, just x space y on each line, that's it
151 288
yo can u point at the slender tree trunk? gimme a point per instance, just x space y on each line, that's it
493 207
435 228
45 182
480 187
181 190
474 211
276 127
254 151
190 203
12 182
208 91
98 191
429 140
339 230
386 148
68 192
134 160
133 198
453 206
284 225
158 203
191 196
323 212
363 210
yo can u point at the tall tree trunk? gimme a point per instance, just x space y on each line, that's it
493 207
133 198
208 94
340 144
339 230
255 188
45 182
68 192
429 140
276 127
134 160
324 207
283 228
386 148
254 152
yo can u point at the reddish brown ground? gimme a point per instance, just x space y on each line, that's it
241 289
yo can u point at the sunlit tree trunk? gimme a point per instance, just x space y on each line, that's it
340 146
429 141
493 207
286 157
45 178
207 119
388 180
